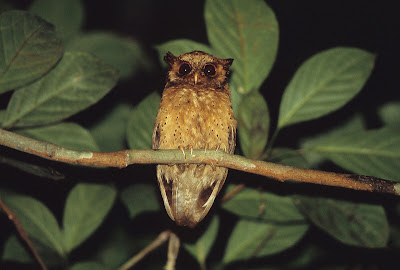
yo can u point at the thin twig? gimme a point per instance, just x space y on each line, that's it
22 233
161 239
173 250
124 158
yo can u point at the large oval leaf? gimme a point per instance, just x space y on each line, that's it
110 131
246 31
253 125
324 83
257 204
289 157
77 82
390 113
124 54
66 15
203 244
68 135
86 207
251 239
29 47
141 124
354 124
356 224
37 220
373 152
15 250
139 198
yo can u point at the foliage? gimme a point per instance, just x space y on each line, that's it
55 70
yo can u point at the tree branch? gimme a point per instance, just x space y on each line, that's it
124 158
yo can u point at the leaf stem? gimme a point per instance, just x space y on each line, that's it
219 158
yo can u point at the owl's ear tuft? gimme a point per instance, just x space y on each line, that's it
169 58
227 62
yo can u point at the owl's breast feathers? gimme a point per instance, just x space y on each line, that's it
200 118
192 116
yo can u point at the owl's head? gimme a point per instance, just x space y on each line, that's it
198 68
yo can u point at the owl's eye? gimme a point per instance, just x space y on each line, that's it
184 69
209 70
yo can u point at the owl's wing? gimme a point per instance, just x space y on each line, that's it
231 140
156 137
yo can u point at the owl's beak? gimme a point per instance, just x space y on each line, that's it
196 78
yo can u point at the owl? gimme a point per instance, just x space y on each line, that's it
195 113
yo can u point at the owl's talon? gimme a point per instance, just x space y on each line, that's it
218 147
190 147
182 150
212 166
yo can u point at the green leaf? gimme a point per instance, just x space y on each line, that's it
88 266
351 223
29 48
289 157
119 244
260 205
78 81
124 54
37 220
201 248
180 46
373 152
353 125
253 125
251 239
68 135
389 113
86 207
139 198
66 15
15 250
324 83
246 31
141 123
110 131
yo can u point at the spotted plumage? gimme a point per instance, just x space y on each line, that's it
195 112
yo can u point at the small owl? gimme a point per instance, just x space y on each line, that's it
195 113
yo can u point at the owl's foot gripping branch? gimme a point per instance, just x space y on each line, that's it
220 158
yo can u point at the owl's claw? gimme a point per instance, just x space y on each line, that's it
218 147
212 166
182 150
190 147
